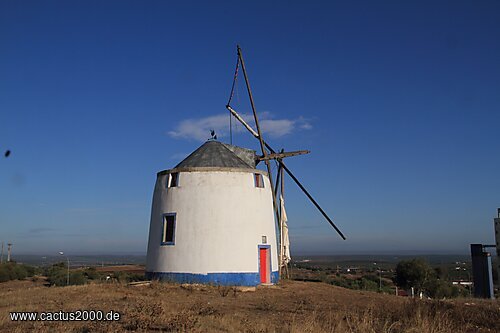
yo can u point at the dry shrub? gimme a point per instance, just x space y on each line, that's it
224 290
413 317
205 310
264 304
300 307
181 322
338 321
147 315
235 324
143 314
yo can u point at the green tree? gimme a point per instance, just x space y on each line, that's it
415 273
437 288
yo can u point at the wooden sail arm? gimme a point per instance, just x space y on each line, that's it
242 121
272 151
282 155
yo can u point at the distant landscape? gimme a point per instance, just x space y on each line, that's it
116 259
341 293
452 274
81 260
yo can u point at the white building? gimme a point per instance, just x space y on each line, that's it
212 220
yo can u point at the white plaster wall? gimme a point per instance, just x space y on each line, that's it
221 218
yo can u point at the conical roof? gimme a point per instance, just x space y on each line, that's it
218 154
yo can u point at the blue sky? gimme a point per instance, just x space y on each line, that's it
398 101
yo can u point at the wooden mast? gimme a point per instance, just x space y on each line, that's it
259 133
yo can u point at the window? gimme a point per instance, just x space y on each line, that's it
259 180
168 232
174 179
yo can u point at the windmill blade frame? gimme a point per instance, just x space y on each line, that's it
257 134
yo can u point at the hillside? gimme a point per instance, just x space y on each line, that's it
289 307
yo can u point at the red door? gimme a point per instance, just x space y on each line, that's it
264 267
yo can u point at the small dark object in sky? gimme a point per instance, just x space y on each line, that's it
214 136
7 153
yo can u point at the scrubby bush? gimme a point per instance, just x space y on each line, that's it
92 274
437 288
14 271
125 277
356 284
133 277
57 275
77 278
120 276
369 285
371 277
4 275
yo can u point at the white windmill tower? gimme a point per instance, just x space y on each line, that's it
212 220
213 215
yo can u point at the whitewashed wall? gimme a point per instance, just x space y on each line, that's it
221 218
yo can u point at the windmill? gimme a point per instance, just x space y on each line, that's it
214 214
268 153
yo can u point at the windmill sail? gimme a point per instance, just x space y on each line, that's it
285 248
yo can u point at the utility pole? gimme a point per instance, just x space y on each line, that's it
379 277
67 259
1 256
9 251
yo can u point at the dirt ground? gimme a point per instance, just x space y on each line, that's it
289 307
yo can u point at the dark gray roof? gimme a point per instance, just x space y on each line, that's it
216 154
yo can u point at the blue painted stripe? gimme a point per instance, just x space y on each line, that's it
224 279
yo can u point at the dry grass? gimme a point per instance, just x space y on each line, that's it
292 307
